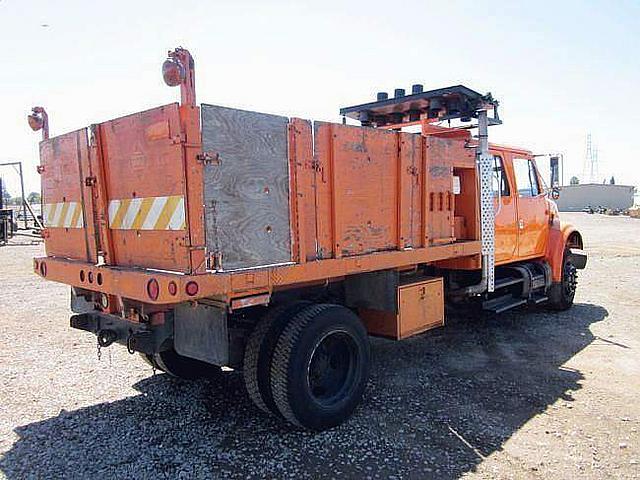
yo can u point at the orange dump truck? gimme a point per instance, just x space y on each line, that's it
203 236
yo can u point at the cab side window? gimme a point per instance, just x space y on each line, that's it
499 182
526 177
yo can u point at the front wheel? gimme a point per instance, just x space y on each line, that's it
320 367
561 294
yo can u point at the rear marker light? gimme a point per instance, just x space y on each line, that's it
173 288
191 289
153 289
99 278
43 269
90 277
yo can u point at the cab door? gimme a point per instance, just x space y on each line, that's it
532 208
505 210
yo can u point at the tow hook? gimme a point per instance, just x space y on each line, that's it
106 337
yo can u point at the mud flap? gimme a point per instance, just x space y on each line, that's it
578 258
201 332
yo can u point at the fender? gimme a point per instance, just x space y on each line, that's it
561 235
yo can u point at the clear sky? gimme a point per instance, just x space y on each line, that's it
560 69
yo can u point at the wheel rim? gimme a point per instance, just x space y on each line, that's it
570 279
332 368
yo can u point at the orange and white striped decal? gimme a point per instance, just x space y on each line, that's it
63 215
150 213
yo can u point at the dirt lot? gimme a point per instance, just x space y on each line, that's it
526 395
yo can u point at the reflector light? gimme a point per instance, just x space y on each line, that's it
153 289
172 72
191 288
36 122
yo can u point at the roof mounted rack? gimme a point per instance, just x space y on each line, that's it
456 102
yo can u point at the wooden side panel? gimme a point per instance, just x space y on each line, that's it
323 161
247 190
67 207
143 168
410 197
303 183
364 179
440 154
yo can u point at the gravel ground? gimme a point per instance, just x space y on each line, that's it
526 395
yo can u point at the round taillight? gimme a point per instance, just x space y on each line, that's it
153 289
191 288
90 277
82 275
43 269
173 288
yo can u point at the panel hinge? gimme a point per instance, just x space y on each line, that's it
209 158
40 169
90 181
214 261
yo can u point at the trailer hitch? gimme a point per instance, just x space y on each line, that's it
106 337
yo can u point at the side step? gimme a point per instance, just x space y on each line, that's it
503 303
507 302
538 298
506 282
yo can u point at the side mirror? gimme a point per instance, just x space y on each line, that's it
555 193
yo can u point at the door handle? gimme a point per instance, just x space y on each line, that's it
521 224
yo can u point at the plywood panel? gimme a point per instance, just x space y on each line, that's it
247 190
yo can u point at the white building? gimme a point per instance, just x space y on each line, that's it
575 198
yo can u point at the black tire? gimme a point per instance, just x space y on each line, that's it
179 366
320 367
561 294
259 352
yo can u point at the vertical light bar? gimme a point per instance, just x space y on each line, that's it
487 217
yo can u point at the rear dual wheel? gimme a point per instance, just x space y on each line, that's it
259 352
179 366
317 368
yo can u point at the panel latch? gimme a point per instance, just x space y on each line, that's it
90 181
209 158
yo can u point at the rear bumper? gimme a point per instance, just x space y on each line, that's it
578 258
129 283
